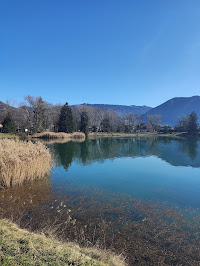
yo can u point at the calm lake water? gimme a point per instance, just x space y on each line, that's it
147 169
138 196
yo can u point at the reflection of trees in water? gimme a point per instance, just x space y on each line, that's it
84 152
174 151
64 153
189 147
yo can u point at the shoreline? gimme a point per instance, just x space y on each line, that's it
76 136
21 246
135 135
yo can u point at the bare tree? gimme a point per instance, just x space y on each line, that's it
130 121
38 115
114 120
154 120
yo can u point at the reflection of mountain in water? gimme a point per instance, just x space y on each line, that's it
177 152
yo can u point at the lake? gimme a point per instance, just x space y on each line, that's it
138 196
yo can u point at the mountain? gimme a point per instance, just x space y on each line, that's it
121 109
4 108
174 108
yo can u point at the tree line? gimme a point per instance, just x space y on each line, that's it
37 115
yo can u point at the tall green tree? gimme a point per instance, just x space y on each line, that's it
192 125
84 122
66 120
8 124
39 115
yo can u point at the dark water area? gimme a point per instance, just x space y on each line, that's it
136 196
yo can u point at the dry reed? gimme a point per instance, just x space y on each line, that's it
60 141
22 161
62 135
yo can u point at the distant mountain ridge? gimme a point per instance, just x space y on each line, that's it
174 108
121 109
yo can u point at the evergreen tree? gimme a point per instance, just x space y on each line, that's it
84 122
192 125
66 120
8 124
39 115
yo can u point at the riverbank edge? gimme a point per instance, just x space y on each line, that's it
94 135
135 135
19 246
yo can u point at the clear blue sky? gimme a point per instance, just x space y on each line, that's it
100 51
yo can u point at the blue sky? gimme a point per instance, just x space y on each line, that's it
100 51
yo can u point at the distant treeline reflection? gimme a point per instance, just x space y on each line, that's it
177 152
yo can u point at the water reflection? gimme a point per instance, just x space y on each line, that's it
177 152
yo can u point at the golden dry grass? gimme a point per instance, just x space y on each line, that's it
22 161
60 141
8 136
62 135
21 247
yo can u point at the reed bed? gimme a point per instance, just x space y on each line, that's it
60 141
22 162
8 136
57 135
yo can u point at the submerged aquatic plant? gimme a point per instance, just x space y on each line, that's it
146 233
23 161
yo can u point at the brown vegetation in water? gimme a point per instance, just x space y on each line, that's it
57 135
22 161
146 233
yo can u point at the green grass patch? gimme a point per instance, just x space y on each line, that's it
21 247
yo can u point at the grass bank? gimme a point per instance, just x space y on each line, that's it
134 135
59 135
22 161
21 247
